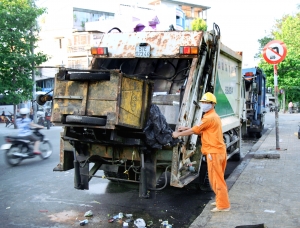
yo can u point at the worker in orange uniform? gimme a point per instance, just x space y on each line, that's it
213 146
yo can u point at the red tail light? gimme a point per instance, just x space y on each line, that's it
99 51
188 50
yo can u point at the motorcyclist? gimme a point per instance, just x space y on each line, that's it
24 124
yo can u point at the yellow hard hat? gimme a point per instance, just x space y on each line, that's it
209 97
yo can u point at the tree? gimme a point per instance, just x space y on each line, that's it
198 24
19 33
287 30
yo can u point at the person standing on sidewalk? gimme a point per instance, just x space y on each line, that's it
291 105
213 147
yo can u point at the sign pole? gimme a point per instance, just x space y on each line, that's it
274 52
276 107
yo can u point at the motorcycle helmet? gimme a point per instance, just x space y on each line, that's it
24 111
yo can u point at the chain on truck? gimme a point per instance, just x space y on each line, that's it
119 115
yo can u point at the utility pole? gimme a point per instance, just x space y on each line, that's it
34 84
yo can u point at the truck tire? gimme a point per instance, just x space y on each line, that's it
86 120
105 76
236 156
258 135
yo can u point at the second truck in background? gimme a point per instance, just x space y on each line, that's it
255 101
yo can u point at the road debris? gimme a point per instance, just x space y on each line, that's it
83 222
88 214
140 223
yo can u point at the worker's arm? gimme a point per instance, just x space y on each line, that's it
181 128
187 132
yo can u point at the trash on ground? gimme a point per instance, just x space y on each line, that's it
164 223
111 220
125 224
96 202
269 211
120 215
129 220
149 223
128 215
43 210
83 222
88 213
140 223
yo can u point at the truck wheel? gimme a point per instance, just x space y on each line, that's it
258 135
90 76
203 181
236 156
86 120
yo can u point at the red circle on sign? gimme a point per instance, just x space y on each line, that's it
274 52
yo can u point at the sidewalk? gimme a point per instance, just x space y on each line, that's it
268 190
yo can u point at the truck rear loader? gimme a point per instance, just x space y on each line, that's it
119 115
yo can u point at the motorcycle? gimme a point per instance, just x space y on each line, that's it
16 148
44 121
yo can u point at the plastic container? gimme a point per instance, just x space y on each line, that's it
83 222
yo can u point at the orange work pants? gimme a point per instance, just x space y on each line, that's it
216 169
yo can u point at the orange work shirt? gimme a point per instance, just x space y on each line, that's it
211 133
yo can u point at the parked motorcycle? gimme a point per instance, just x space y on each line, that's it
16 148
44 121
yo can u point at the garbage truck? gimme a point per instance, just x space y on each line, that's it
118 116
255 101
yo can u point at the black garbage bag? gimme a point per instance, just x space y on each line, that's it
157 131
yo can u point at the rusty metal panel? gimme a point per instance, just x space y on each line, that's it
164 155
103 151
103 96
131 102
125 153
105 90
69 98
100 107
163 44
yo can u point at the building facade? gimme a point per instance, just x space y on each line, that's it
68 32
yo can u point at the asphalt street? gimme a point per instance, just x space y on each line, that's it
32 195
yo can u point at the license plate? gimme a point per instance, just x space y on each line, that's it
142 51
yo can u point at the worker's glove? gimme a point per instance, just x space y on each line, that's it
209 157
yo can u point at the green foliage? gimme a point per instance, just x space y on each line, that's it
18 35
263 42
287 30
199 24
